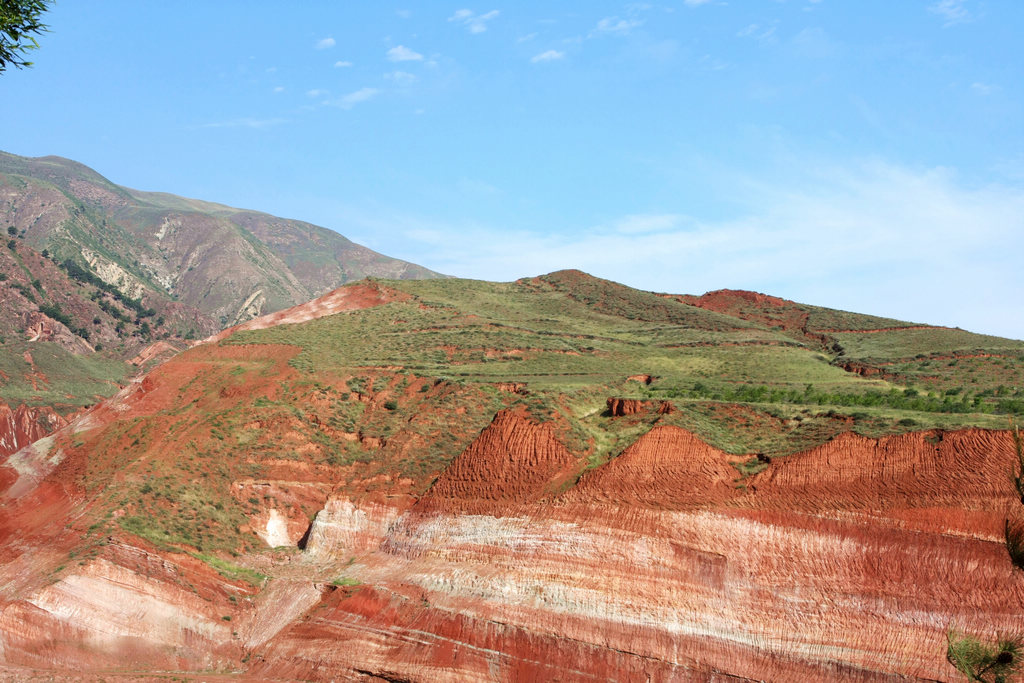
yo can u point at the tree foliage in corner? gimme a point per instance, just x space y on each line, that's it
19 22
987 662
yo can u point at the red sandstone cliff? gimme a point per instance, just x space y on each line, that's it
25 424
846 562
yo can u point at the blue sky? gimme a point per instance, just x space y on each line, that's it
864 155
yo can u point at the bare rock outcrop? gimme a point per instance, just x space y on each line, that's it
513 461
23 425
667 468
621 407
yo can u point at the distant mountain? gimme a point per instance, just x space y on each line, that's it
96 279
230 264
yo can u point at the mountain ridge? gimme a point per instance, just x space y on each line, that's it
98 278
461 479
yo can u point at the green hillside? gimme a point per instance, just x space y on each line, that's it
573 340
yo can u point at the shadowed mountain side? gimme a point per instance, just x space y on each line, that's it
231 264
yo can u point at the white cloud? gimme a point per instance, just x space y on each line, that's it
401 53
613 25
548 56
763 34
984 88
695 3
342 64
913 244
316 92
953 11
353 98
325 43
712 63
279 88
401 78
527 38
474 23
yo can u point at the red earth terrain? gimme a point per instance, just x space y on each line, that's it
520 559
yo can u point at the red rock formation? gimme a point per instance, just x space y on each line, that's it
846 562
161 349
25 424
348 298
40 327
668 468
620 407
966 469
513 460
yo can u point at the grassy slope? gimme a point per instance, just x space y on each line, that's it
374 396
66 379
222 257
571 334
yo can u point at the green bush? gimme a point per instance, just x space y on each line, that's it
1014 534
985 661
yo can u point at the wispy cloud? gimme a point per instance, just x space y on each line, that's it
243 123
400 78
815 43
874 237
279 88
353 98
527 38
952 11
614 25
763 34
984 88
325 43
342 64
549 56
316 92
695 3
474 23
400 53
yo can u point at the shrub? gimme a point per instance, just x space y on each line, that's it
1014 534
985 661
346 581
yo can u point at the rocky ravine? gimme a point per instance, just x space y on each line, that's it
847 562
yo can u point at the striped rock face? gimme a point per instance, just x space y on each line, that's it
850 561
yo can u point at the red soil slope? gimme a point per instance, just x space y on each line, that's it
512 461
667 468
655 566
348 298
846 562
